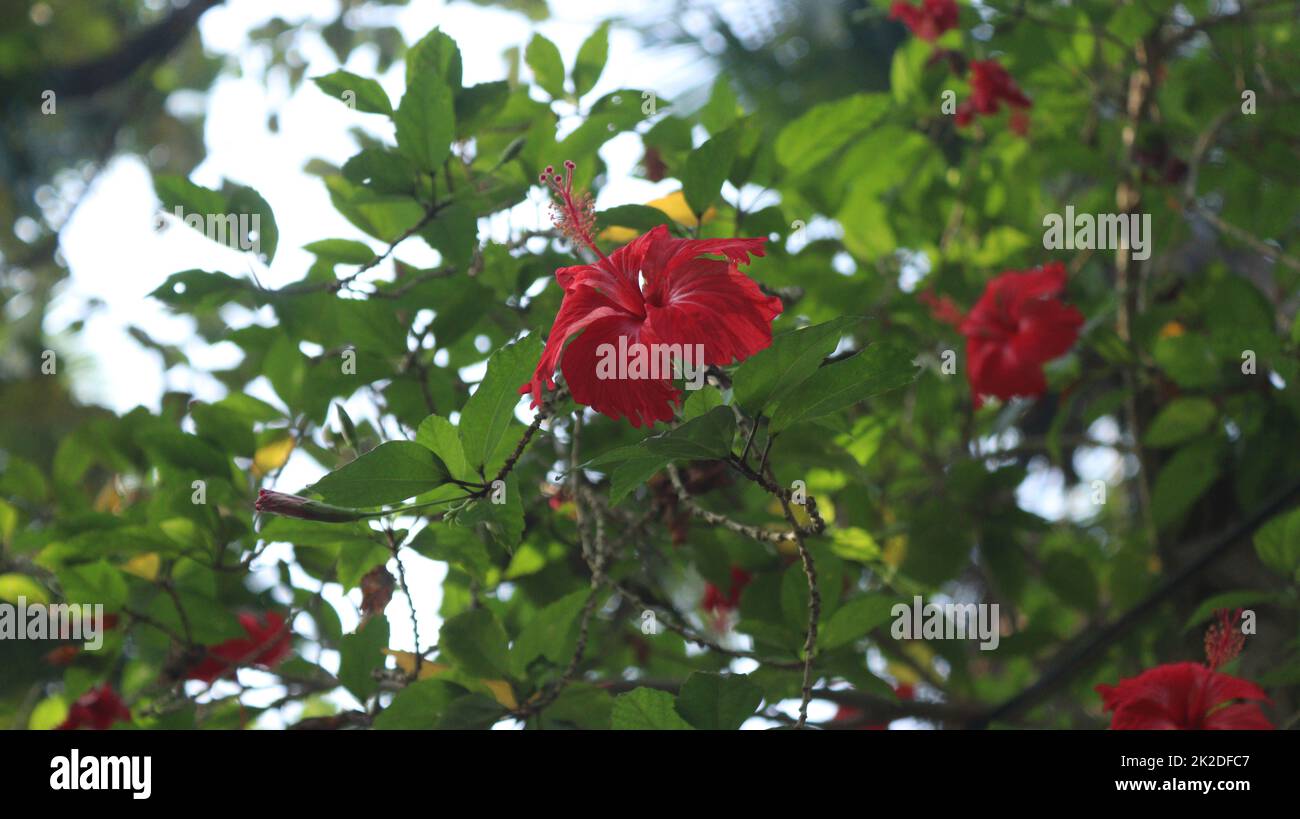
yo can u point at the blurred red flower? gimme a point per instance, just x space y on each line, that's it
927 21
851 713
97 709
1018 325
721 604
268 643
990 86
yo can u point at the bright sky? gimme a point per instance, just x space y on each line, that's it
115 255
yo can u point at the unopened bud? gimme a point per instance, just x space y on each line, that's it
293 506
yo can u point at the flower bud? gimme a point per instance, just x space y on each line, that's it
293 506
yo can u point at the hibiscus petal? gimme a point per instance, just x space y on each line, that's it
709 302
1185 696
1241 717
994 368
664 256
1046 330
643 401
581 306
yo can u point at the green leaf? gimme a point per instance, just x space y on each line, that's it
1181 420
646 709
435 55
1187 475
771 374
707 168
381 170
551 633
490 410
504 522
389 473
637 217
179 192
245 202
477 105
868 233
1242 599
1278 544
707 437
476 643
717 702
632 467
723 109
880 367
454 234
856 618
591 60
341 251
1071 577
548 68
825 129
361 654
442 438
426 122
382 215
418 706
700 402
361 93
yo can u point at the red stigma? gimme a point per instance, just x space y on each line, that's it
1224 640
575 216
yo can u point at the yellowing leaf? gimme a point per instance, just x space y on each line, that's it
618 235
799 512
1172 329
8 522
406 661
13 586
502 693
854 544
272 456
500 689
48 714
904 673
108 500
896 546
895 551
674 205
144 566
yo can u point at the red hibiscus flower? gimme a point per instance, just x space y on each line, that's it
1189 696
268 643
927 21
1018 325
1184 697
97 709
721 604
851 713
655 291
990 86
